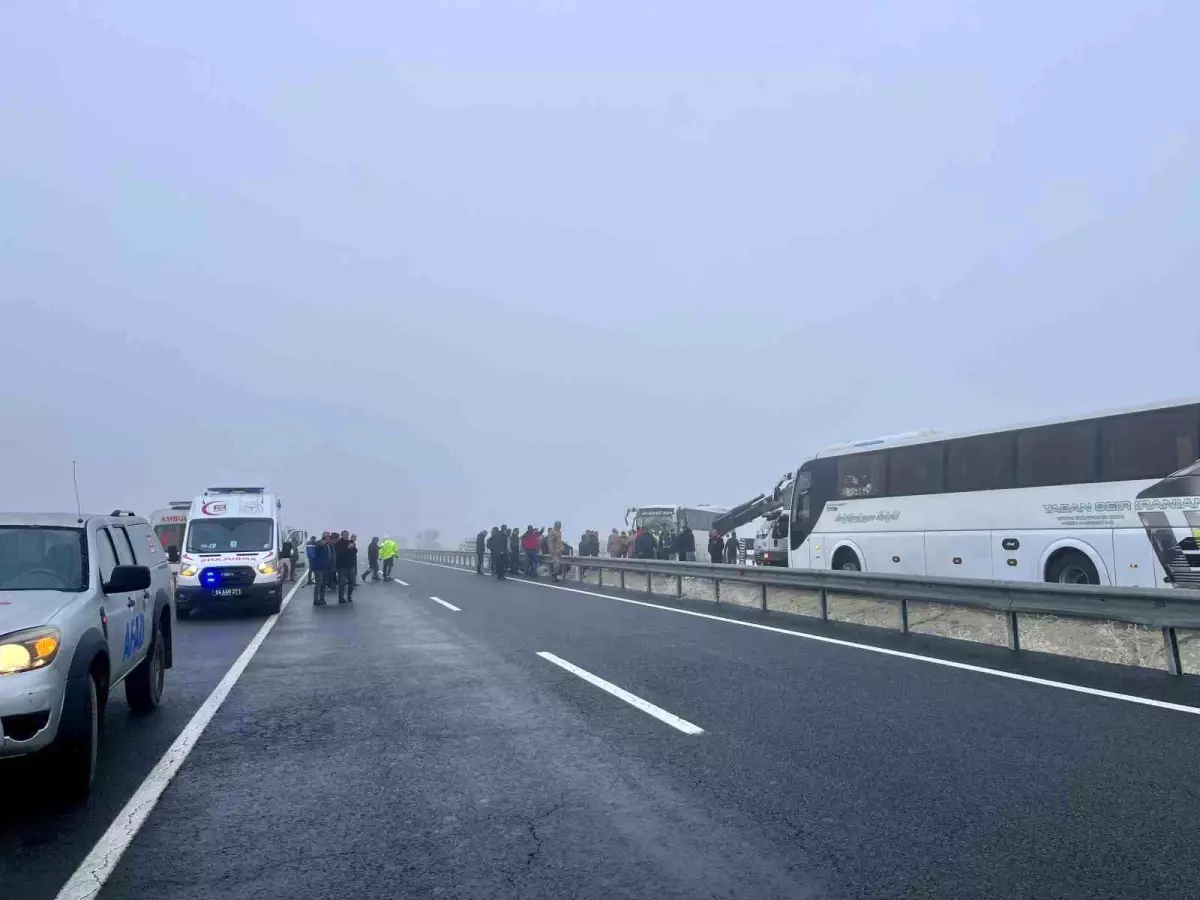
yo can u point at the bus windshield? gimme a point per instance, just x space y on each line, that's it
229 535
655 521
1193 469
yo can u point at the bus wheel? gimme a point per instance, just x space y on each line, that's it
846 560
1071 567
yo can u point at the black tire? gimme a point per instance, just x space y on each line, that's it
144 685
274 607
1072 567
75 748
846 561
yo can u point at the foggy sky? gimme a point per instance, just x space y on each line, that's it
450 264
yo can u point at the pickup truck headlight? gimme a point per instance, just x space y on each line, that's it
23 651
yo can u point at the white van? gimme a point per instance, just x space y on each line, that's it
169 525
231 552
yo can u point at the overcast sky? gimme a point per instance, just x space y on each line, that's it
444 265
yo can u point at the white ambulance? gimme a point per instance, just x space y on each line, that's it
231 552
169 525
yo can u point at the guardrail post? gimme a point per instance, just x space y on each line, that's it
679 586
622 571
763 598
1171 645
903 616
824 596
1014 633
717 589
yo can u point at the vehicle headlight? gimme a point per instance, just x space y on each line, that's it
267 568
188 570
23 651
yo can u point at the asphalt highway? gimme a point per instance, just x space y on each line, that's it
458 737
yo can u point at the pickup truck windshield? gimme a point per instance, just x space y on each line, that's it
41 559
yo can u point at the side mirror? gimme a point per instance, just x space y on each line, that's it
126 579
173 554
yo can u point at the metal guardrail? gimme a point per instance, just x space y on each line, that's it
1165 608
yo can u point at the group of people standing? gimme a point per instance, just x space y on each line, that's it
514 552
645 544
333 563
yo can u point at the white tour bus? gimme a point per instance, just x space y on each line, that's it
672 517
1110 498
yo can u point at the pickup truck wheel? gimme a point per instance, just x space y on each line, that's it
75 747
144 686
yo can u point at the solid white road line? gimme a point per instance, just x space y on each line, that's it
450 606
401 583
966 667
632 699
89 878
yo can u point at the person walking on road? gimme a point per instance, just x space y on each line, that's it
685 544
320 564
554 546
480 546
387 555
372 561
331 574
731 548
308 554
514 551
716 546
346 557
529 547
496 545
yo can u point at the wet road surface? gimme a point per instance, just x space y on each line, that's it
428 741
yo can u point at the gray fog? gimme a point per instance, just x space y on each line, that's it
446 265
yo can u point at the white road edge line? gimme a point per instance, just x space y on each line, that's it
632 699
399 582
450 606
966 667
98 865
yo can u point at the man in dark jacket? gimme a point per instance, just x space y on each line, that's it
331 575
319 564
480 546
497 545
716 547
372 560
308 555
685 545
346 556
514 551
731 548
666 545
643 545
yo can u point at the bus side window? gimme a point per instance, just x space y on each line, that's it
1148 445
985 463
862 475
916 470
1057 454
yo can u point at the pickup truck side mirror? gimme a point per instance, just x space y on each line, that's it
172 554
126 579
